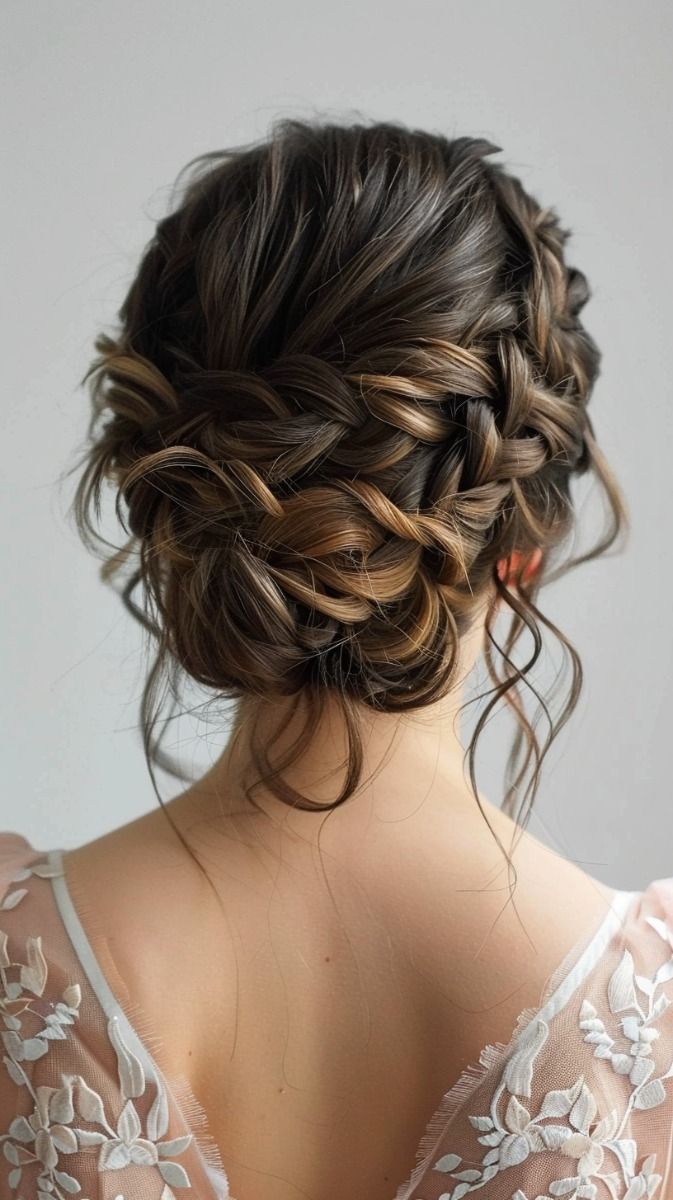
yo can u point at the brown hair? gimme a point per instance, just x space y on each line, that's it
349 378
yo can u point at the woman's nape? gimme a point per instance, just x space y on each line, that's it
408 754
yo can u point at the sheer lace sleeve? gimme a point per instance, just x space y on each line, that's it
82 1113
580 1102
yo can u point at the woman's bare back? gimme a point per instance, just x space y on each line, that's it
322 1004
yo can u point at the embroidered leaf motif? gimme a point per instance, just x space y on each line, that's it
34 975
15 1073
535 1139
89 1137
490 1171
448 1162
555 1135
517 1117
113 1156
631 1027
641 1070
174 1174
559 1103
128 1125
66 1013
607 1126
73 996
622 1063
53 1029
179 1144
583 1110
21 1130
514 1150
45 870
481 1122
89 1104
561 1187
45 1149
157 1117
518 1074
61 1108
621 991
492 1139
63 1138
131 1074
32 1048
652 1094
458 1192
143 1152
12 898
21 874
66 1181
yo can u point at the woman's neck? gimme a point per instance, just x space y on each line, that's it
409 762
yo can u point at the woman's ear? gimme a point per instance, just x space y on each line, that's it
508 568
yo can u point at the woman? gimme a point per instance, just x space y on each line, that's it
342 414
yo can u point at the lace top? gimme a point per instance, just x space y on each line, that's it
579 1104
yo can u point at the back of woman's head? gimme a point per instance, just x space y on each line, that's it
349 379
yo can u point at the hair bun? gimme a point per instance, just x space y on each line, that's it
350 377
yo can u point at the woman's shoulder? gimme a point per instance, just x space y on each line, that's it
134 882
86 1096
568 1100
489 908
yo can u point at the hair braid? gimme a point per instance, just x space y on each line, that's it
350 377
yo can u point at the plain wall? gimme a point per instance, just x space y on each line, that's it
102 105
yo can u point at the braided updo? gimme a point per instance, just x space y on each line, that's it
349 378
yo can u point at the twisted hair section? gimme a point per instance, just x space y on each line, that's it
349 377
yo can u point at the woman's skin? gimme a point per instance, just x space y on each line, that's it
344 968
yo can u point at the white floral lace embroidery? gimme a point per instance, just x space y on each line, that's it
52 1130
603 1157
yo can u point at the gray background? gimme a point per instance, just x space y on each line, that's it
102 104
